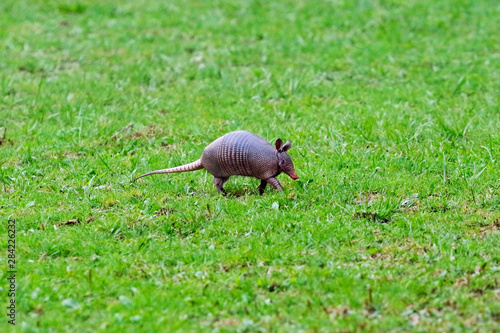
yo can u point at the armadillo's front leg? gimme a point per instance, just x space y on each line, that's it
262 186
219 183
275 183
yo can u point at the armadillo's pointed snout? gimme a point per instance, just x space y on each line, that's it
293 175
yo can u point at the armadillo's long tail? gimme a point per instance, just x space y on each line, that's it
196 165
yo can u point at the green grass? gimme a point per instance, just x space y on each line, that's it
392 108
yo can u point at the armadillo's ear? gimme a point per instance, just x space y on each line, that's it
286 146
278 144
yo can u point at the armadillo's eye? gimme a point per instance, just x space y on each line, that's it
282 162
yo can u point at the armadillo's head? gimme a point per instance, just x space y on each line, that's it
284 161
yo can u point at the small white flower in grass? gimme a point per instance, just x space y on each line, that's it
125 300
70 303
187 189
247 322
275 205
136 318
201 274
211 247
407 312
267 301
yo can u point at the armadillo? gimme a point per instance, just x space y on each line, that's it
241 153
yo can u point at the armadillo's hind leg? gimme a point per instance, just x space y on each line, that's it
219 183
262 186
275 183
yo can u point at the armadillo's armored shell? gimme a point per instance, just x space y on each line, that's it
240 153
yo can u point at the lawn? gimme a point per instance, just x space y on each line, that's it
393 111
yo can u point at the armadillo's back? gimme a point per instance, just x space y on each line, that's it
240 153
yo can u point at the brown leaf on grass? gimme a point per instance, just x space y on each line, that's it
149 132
168 146
340 311
451 304
491 228
42 257
125 129
164 211
38 310
374 217
69 222
470 322
368 197
70 155
226 322
369 301
463 281
90 219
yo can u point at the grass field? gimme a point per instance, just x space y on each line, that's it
392 108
